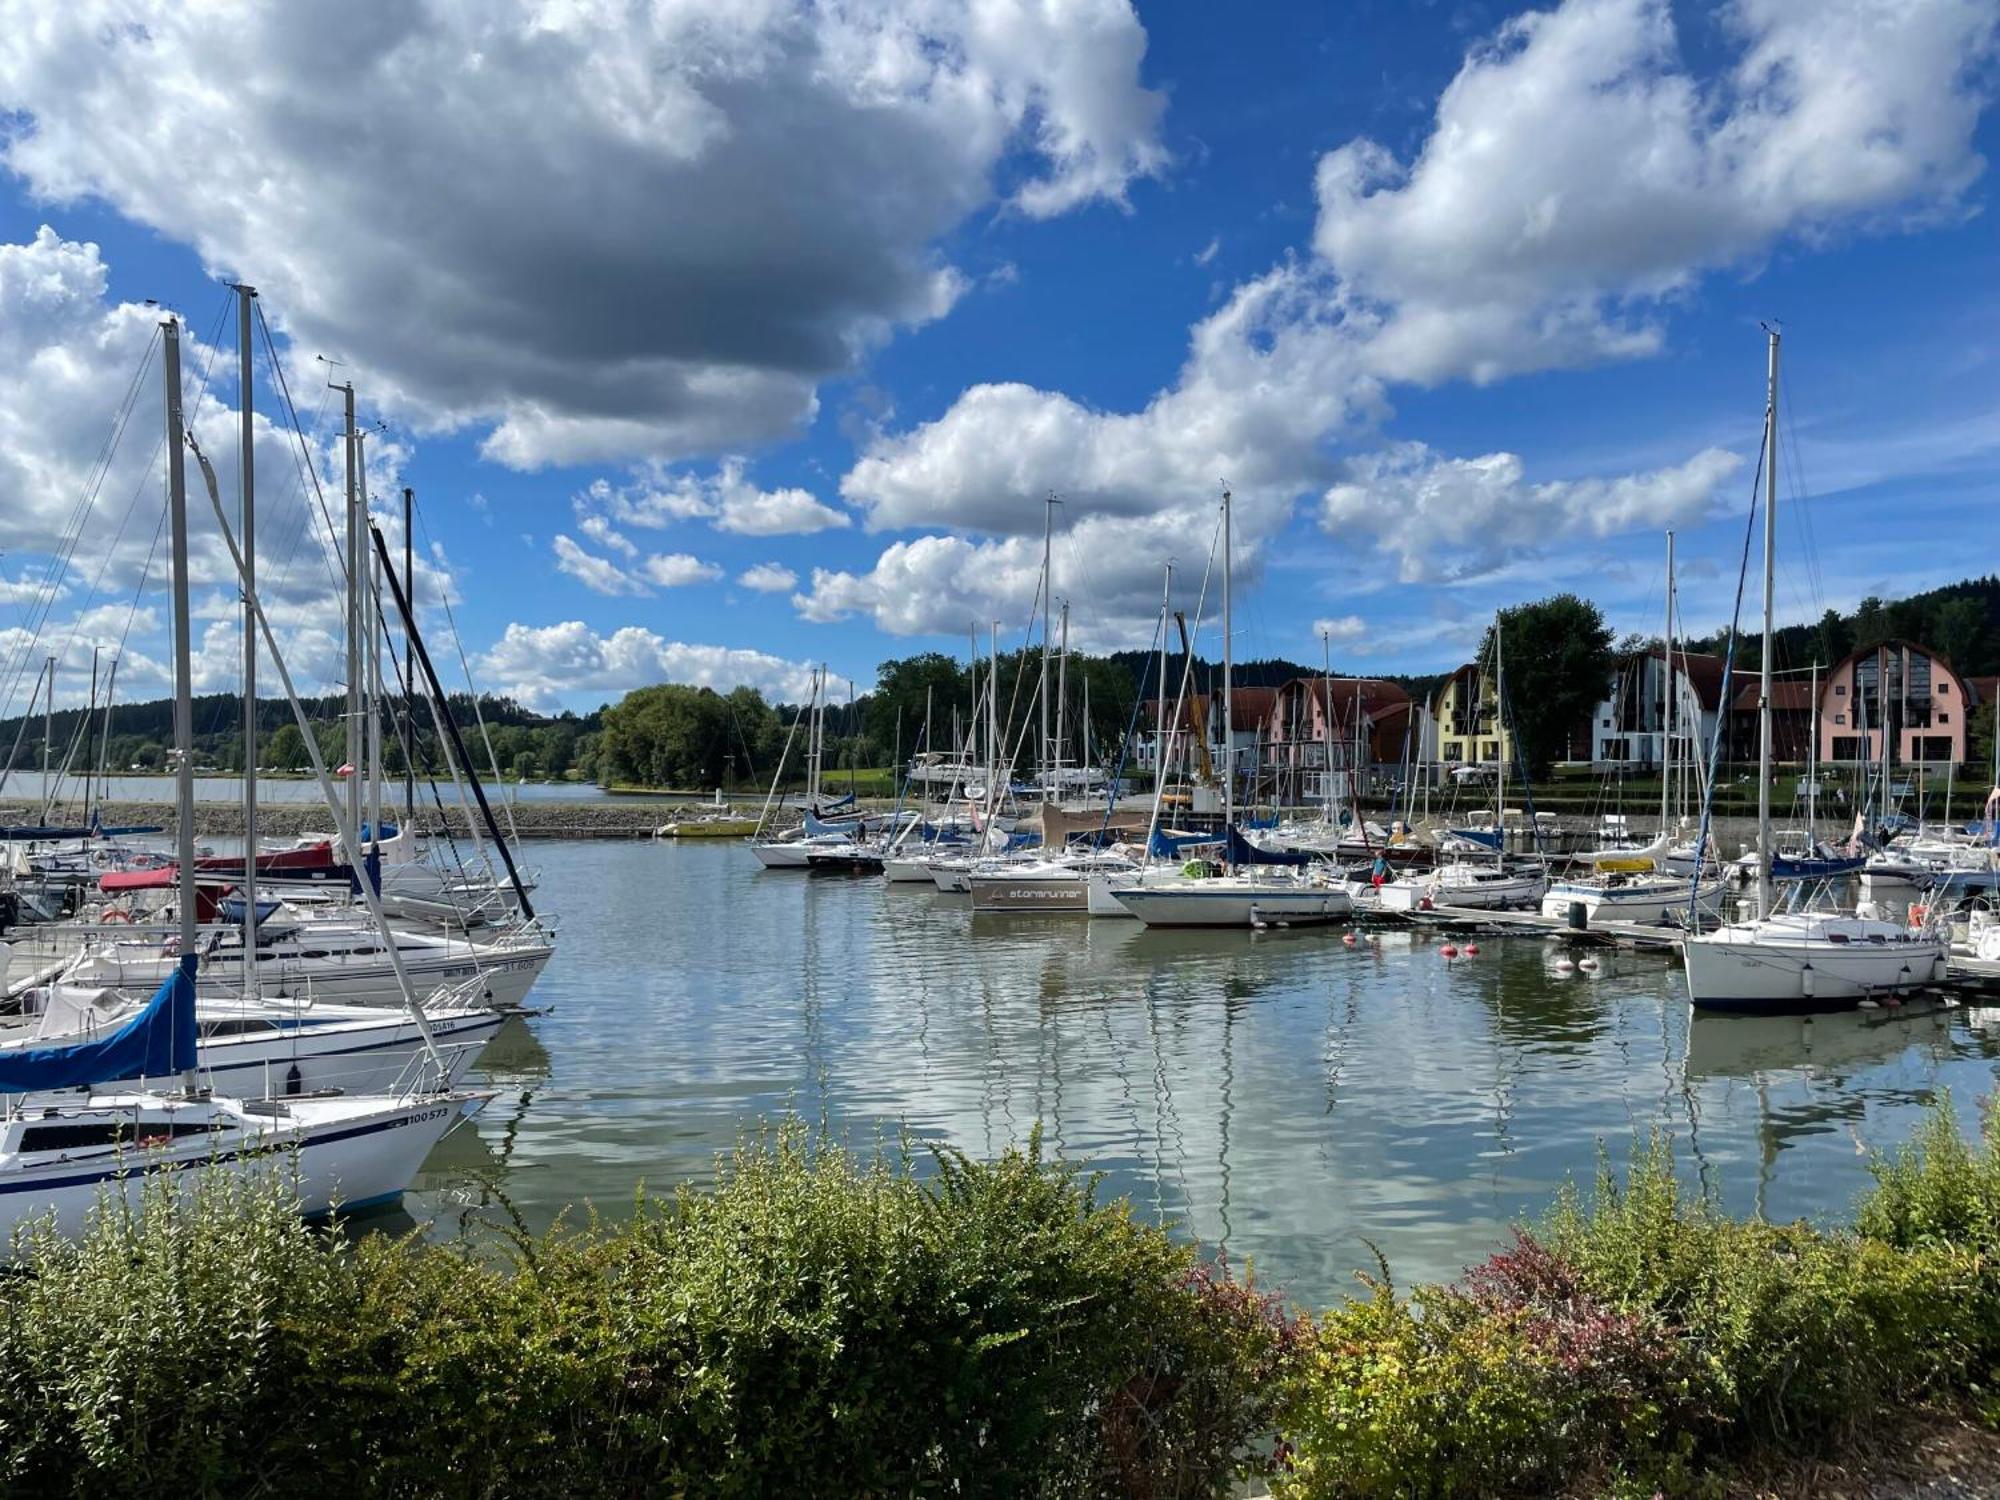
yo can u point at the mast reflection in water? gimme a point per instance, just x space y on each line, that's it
1274 1093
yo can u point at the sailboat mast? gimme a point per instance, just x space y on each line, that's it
1160 756
353 452
1812 762
1667 736
246 461
1228 689
1326 727
177 534
1764 722
1500 732
993 725
1048 534
409 668
1062 695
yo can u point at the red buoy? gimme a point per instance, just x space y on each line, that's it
1449 950
1349 939
1472 950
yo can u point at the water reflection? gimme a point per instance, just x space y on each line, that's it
1274 1093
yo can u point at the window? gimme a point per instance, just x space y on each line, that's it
1944 718
1840 690
1944 689
1840 718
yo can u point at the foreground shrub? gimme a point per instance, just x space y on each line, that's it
813 1324
1641 1337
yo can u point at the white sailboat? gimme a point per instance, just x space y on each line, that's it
1797 962
1191 896
66 1146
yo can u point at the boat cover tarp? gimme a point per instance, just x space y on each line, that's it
158 1041
1240 851
1490 837
1166 845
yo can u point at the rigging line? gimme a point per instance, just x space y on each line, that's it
464 666
58 565
305 449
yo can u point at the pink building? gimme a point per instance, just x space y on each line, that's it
1901 688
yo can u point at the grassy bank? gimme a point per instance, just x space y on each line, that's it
820 1324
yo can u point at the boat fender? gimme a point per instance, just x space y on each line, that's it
1806 981
1870 1005
1589 965
1565 966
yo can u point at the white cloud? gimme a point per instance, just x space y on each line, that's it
1577 175
1575 180
605 534
1446 518
749 511
768 578
1208 252
598 574
543 665
1342 630
672 570
572 161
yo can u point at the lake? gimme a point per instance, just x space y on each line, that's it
1274 1094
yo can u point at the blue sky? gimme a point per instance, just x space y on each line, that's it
724 340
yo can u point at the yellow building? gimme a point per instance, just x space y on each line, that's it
1467 710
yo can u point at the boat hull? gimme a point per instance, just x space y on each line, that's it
1766 978
1018 896
1247 906
1652 902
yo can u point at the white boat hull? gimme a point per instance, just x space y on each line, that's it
1098 899
1030 895
1729 971
1641 902
1499 894
338 1153
1215 903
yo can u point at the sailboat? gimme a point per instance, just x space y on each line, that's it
1463 881
1798 961
1248 891
1635 885
67 1144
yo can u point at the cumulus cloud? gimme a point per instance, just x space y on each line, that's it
672 570
1577 174
1444 517
598 574
540 665
768 578
1576 179
645 229
1342 629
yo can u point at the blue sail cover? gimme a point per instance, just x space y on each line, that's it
1489 837
1821 866
159 1041
1240 851
1166 846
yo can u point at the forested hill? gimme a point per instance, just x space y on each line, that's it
525 743
1269 671
1960 621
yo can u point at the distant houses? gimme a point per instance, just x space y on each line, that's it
1313 727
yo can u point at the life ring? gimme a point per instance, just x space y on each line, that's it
1919 914
116 914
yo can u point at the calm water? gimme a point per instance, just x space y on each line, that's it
1276 1093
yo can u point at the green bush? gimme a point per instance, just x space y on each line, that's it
814 1324
1643 1337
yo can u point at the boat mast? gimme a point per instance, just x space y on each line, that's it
1048 535
1228 689
1160 719
1062 695
352 445
409 667
246 462
1764 724
177 534
1500 734
1326 727
1812 763
993 728
1667 740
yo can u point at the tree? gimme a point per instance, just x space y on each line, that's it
1955 626
286 749
1833 639
1871 624
1558 659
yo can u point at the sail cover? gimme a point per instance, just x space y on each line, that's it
158 1041
1240 851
